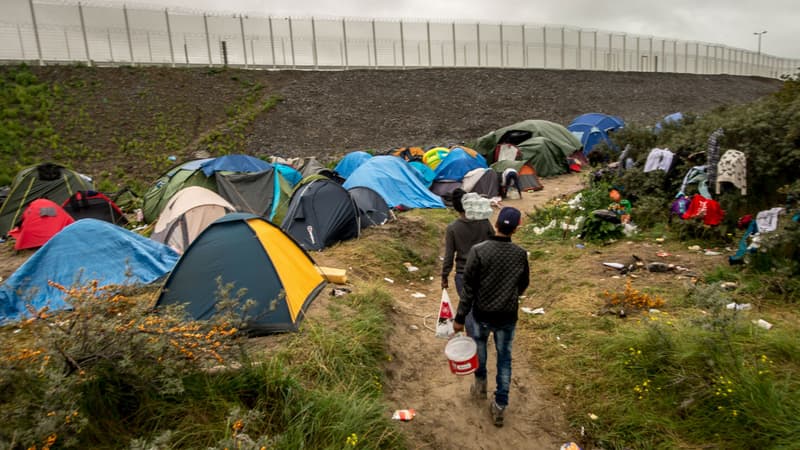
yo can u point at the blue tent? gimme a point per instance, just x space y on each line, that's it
350 162
424 172
457 163
395 181
89 249
289 173
235 163
594 128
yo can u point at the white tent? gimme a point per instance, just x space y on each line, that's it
187 214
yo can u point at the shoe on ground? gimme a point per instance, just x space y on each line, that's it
496 412
478 390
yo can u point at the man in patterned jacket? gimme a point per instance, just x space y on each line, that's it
496 274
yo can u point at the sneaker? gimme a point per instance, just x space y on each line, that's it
478 390
496 412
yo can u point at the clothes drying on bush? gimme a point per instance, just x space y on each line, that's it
732 168
704 208
658 159
712 154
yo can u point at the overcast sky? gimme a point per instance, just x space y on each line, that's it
727 22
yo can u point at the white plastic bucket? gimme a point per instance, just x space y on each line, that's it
462 354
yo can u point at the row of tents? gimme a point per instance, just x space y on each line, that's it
206 214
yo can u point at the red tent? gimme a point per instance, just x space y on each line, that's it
41 220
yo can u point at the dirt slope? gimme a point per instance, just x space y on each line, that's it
335 112
124 122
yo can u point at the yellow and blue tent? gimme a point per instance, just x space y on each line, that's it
280 278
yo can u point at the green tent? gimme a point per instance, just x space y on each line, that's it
47 180
545 145
261 192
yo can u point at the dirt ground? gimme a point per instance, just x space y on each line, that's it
419 377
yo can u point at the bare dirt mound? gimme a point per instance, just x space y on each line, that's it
334 112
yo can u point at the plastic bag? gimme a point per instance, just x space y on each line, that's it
444 326
476 207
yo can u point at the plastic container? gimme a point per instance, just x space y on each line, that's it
462 355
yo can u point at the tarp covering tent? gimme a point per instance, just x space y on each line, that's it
234 163
48 180
321 213
458 163
41 220
372 208
248 183
89 249
94 205
394 180
593 128
253 254
425 173
526 174
187 214
669 119
350 162
546 145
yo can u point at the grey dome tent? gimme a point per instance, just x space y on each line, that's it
321 213
372 208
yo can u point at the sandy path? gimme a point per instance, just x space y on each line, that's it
419 377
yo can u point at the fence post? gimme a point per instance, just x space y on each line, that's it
674 56
272 44
314 43
402 46
149 47
291 43
169 38
638 55
502 47
544 46
478 35
110 48
455 58
374 44
21 42
36 33
344 38
208 40
428 29
594 54
244 44
128 32
624 52
85 39
580 49
185 50
524 48
610 50
66 42
652 66
563 48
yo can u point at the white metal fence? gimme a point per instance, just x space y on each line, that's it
52 31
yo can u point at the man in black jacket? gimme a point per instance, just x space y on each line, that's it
496 274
